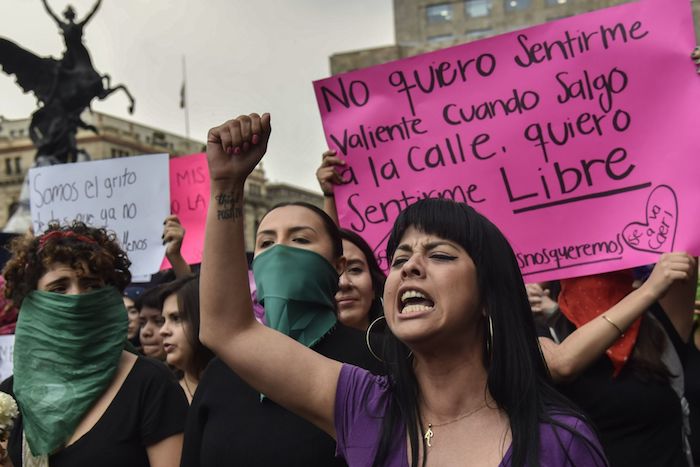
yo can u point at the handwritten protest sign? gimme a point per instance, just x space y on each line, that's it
7 346
189 200
127 195
578 138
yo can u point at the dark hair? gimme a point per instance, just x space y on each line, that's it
188 305
76 245
375 272
150 298
517 376
331 228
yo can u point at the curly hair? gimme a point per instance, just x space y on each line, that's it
85 249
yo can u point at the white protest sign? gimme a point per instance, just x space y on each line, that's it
130 196
7 346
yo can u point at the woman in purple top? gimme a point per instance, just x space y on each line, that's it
467 384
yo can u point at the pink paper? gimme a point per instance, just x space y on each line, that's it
189 200
613 186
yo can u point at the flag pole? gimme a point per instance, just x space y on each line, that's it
183 98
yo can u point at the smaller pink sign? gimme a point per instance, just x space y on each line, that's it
189 201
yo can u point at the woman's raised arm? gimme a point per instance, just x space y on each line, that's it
580 349
292 375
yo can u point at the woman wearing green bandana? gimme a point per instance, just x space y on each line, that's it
298 257
83 399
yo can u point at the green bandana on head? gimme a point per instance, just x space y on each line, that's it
67 349
297 289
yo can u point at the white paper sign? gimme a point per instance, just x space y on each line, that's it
130 196
7 346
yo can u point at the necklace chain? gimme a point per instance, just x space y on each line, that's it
189 391
429 432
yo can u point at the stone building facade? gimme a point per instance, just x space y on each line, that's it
425 25
123 138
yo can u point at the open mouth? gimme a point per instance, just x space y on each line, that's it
413 301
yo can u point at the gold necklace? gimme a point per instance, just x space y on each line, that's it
429 432
187 386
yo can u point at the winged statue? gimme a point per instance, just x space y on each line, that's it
64 88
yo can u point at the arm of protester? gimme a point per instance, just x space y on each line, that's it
165 453
292 375
173 235
585 345
696 57
328 177
678 303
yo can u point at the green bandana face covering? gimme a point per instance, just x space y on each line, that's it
67 349
297 289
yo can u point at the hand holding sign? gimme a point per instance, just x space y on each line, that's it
327 174
173 234
236 147
671 267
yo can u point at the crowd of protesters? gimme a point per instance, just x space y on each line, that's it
447 358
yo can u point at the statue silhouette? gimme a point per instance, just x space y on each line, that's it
64 88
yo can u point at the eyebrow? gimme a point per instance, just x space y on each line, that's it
428 246
57 281
291 230
354 262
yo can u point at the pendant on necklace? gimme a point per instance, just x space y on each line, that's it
429 435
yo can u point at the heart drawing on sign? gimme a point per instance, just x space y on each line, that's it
658 233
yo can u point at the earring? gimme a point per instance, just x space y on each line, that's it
369 345
489 337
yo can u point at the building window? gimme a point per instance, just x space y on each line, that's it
18 165
478 33
477 8
8 166
555 2
556 18
254 190
516 5
441 38
441 13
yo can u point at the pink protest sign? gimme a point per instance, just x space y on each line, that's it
578 138
189 200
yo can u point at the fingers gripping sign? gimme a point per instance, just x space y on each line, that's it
236 147
670 268
327 174
173 234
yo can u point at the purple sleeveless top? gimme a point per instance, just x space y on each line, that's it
361 400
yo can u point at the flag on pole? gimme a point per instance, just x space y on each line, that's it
182 95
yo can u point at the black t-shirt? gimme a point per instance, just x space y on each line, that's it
639 422
228 424
692 393
148 408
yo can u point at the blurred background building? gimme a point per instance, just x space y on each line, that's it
123 138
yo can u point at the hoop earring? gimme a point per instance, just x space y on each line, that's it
489 337
369 345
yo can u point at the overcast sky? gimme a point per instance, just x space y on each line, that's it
242 56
